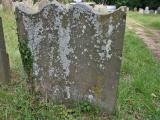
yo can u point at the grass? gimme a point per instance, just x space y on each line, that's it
139 93
150 20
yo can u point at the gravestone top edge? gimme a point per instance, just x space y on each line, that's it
28 11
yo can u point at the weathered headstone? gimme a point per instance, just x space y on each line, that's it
1 7
155 12
77 1
43 3
127 9
100 8
158 10
4 61
146 11
29 3
135 9
151 11
7 5
141 11
73 53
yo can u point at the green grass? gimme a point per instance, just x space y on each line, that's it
139 93
150 20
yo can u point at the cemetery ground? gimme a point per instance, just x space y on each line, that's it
139 93
150 20
147 27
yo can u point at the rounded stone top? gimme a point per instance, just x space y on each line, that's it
21 7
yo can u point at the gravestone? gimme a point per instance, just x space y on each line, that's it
77 1
29 3
127 9
4 61
1 7
151 11
72 53
146 11
158 10
42 3
141 11
155 12
135 9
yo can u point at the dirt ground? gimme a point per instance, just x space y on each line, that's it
151 37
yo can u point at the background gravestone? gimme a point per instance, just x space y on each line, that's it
158 10
146 11
4 61
72 53
135 9
151 11
141 11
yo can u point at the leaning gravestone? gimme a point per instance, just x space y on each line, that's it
4 61
72 53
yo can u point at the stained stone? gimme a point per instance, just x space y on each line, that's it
4 61
72 53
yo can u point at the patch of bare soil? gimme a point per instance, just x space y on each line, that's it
151 37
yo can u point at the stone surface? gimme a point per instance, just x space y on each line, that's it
7 4
127 9
43 3
158 10
151 11
141 11
72 53
28 2
1 7
135 9
146 11
4 61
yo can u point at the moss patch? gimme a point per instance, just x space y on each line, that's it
26 56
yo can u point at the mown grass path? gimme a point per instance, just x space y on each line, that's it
150 36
